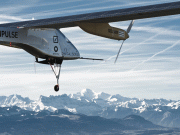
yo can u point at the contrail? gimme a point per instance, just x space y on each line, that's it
127 50
64 10
136 45
156 54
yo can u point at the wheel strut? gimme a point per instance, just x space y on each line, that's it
56 68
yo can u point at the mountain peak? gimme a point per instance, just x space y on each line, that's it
87 91
89 94
104 96
86 94
15 99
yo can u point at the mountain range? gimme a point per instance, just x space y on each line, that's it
161 112
16 121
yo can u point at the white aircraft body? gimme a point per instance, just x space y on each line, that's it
43 39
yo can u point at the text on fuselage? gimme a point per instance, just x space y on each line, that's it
10 34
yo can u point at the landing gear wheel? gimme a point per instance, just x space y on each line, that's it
56 68
56 88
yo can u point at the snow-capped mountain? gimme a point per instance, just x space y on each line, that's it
159 111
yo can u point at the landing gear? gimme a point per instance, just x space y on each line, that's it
56 88
56 68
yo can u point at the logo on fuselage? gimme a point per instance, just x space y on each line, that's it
55 39
55 48
9 34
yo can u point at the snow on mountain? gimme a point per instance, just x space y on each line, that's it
104 96
85 94
24 103
160 111
84 106
174 105
14 100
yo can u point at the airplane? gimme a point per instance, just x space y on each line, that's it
43 38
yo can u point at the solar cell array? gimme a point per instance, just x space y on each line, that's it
102 17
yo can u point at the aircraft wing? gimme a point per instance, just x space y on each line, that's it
102 17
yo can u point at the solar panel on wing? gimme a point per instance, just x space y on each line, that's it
105 16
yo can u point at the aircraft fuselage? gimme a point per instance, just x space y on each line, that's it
41 43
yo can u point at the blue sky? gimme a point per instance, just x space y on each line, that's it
148 66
